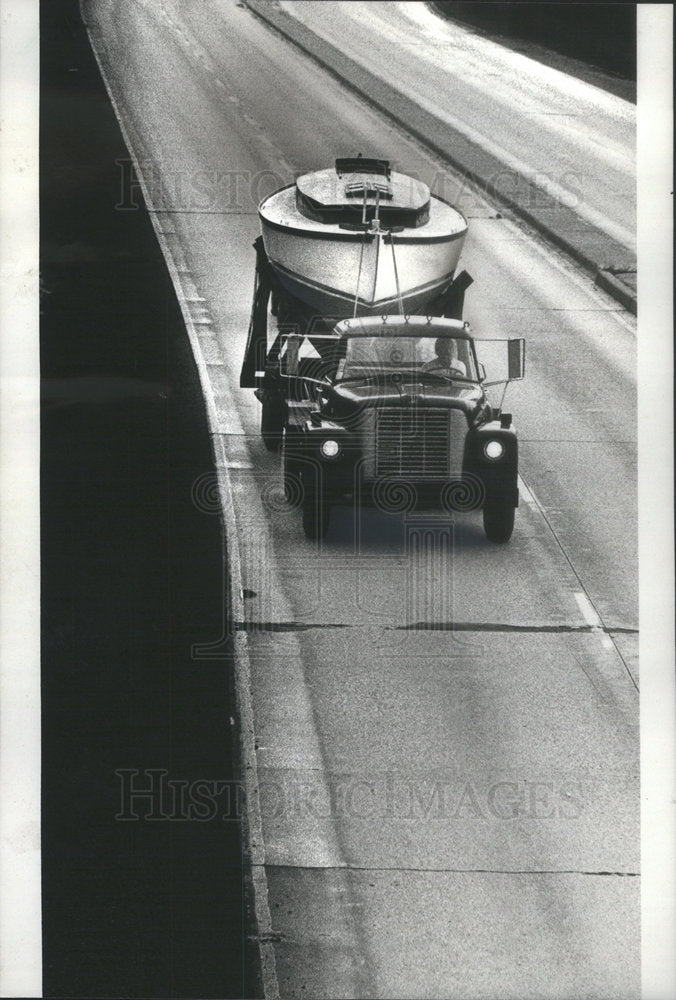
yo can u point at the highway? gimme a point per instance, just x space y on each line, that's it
568 136
451 809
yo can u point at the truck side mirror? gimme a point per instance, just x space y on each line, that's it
516 358
482 372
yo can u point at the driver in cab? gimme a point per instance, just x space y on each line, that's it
446 361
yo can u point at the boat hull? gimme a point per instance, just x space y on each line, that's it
338 272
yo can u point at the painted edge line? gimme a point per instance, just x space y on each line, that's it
272 16
586 606
252 816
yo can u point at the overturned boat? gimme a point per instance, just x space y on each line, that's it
360 239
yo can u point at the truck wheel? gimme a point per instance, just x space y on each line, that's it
316 509
498 522
272 422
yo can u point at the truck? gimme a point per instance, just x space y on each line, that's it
369 404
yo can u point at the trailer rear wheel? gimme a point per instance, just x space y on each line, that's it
272 421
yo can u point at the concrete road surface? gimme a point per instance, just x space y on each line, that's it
449 810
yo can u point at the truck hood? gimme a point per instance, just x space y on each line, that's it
348 396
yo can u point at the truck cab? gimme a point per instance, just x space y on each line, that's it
392 411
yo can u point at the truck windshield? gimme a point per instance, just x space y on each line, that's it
365 356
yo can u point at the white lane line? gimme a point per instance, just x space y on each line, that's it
587 610
526 494
591 617
253 827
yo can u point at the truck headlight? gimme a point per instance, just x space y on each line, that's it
494 450
330 448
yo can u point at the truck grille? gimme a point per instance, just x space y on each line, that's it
412 443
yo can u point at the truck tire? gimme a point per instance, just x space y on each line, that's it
272 421
498 521
316 509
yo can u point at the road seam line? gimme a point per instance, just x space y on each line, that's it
469 871
249 625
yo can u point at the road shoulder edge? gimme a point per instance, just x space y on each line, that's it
254 853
